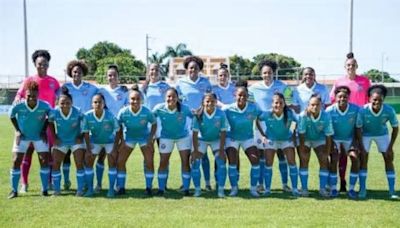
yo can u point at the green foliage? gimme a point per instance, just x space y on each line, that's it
104 53
160 60
376 76
240 65
287 66
179 50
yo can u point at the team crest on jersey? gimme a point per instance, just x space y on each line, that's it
74 125
217 124
119 97
107 126
320 127
52 85
143 122
249 116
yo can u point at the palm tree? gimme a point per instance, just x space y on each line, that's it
159 59
179 51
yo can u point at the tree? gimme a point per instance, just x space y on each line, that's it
105 53
287 66
376 76
240 66
159 59
179 51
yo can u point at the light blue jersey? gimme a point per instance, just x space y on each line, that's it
374 124
155 94
82 95
315 129
344 123
191 93
30 121
278 127
115 98
68 128
302 95
241 121
225 95
262 94
102 130
210 126
173 123
135 124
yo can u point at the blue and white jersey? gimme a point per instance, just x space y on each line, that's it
241 121
115 98
102 130
191 93
135 124
302 95
30 120
68 128
210 126
225 95
374 124
173 123
315 129
82 95
262 94
278 127
344 123
155 94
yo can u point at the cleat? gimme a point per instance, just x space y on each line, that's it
221 193
160 193
181 188
208 188
362 194
304 193
149 192
323 193
121 191
186 193
343 186
97 189
67 185
45 193
394 196
51 187
24 188
295 193
111 193
197 193
88 194
56 193
253 192
286 188
352 194
267 193
260 189
79 194
12 195
234 191
334 193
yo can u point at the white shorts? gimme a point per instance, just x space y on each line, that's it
39 145
96 148
314 144
276 145
132 144
203 146
347 144
258 137
382 142
246 144
73 148
167 145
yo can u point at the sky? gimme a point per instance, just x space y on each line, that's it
314 32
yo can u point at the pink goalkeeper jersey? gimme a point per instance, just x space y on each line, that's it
48 88
358 87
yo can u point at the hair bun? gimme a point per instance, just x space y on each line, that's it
223 66
350 55
64 90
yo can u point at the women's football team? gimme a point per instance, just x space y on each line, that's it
109 122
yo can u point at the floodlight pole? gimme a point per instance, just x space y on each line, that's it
351 26
26 41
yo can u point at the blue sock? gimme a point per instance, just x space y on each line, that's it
293 176
80 179
185 180
333 179
149 175
14 177
254 175
323 178
196 175
262 167
56 176
233 175
283 168
363 179
353 180
221 172
112 175
304 178
89 176
205 165
44 177
65 169
121 179
391 177
99 173
162 179
267 177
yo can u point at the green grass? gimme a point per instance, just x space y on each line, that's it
134 209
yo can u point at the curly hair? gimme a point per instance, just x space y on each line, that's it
80 63
195 59
41 53
268 63
380 89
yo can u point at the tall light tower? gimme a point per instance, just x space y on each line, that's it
26 41
351 27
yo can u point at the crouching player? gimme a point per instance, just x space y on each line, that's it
65 123
29 119
99 129
344 116
371 126
209 129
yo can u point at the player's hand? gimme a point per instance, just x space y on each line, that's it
389 153
78 140
18 136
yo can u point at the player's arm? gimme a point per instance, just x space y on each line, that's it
395 131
